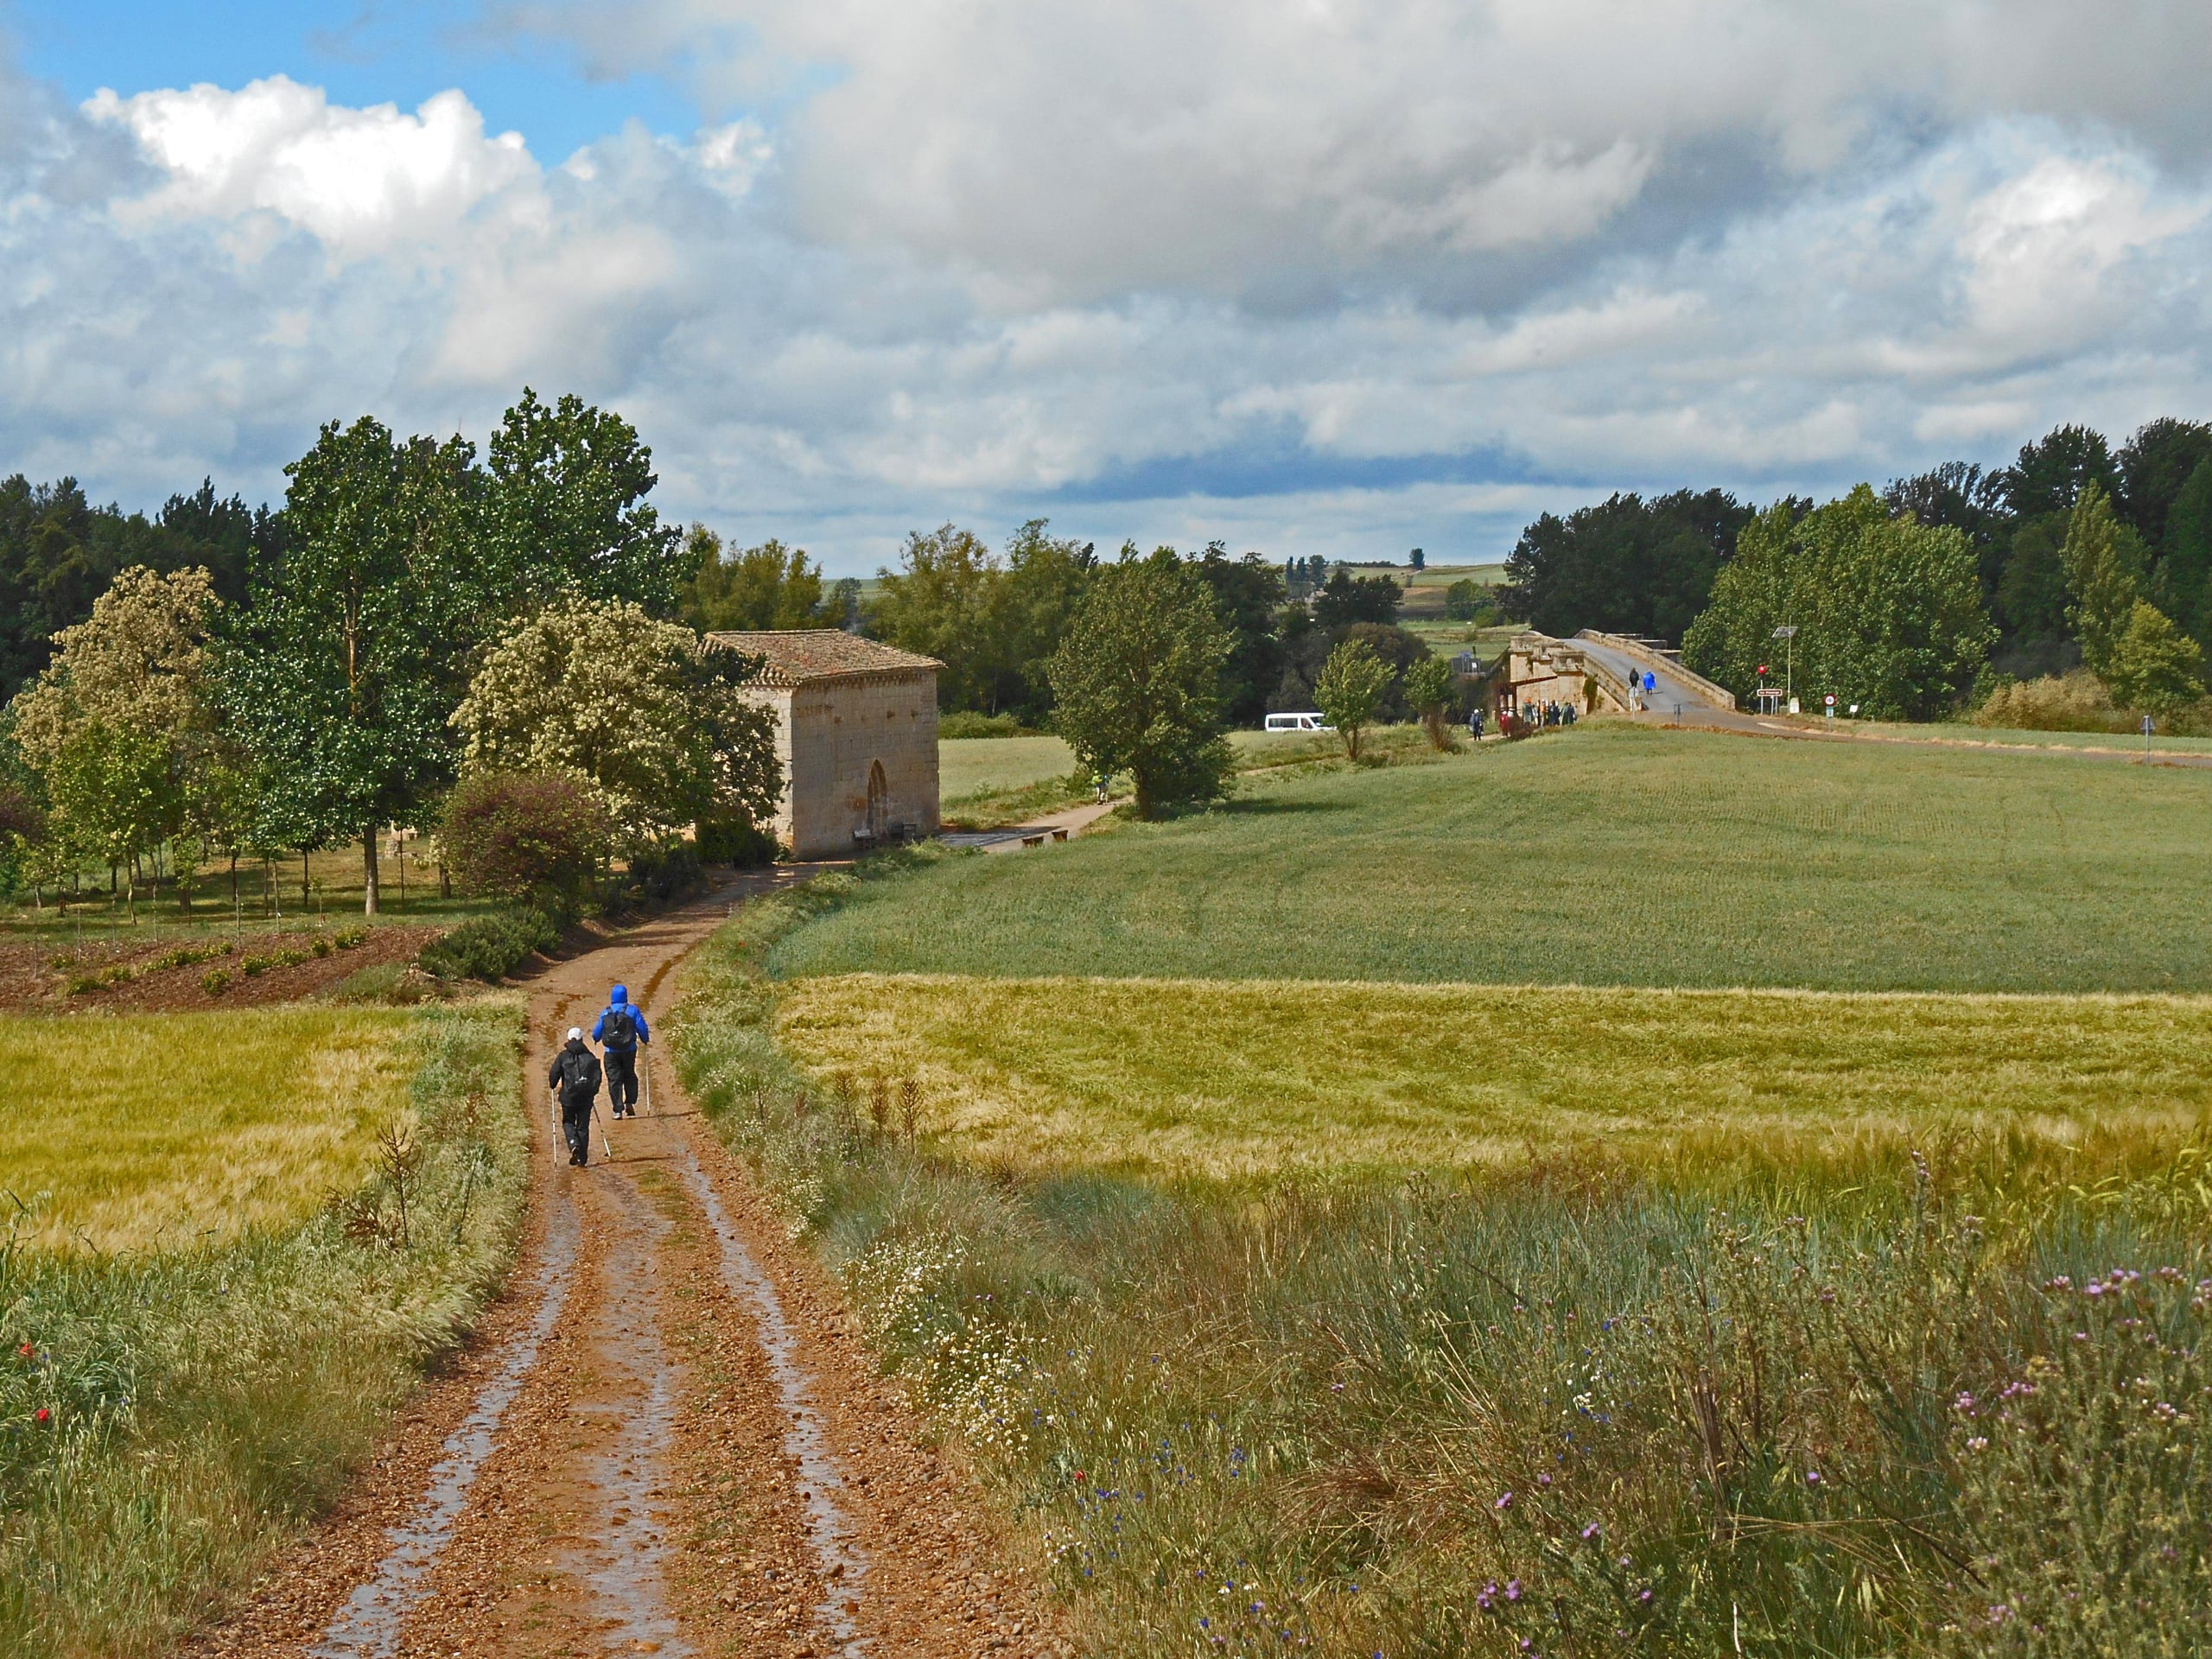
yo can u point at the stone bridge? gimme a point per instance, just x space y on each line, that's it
1604 673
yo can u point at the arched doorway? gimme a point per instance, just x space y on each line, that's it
879 802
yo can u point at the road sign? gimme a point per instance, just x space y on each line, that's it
1829 699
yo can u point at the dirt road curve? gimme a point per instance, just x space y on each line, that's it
667 1438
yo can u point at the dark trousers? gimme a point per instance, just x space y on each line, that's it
622 1080
575 1126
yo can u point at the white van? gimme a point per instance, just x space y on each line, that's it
1305 723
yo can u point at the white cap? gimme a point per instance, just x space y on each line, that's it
575 1033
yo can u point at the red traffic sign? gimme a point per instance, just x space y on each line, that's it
1829 699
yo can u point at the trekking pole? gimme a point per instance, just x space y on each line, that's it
560 1141
606 1140
646 1078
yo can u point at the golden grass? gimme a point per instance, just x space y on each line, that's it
1211 1078
163 1128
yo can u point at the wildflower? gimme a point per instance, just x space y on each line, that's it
1483 1596
1590 1532
1964 1403
42 1415
1077 1475
26 1350
1543 1480
1979 1442
1998 1613
1513 1589
1812 1477
1643 1595
1504 1502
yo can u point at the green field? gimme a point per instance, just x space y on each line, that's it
1633 1192
1608 855
1182 1078
173 1128
970 766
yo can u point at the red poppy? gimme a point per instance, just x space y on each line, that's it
27 1350
42 1413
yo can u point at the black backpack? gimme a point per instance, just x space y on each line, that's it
620 1031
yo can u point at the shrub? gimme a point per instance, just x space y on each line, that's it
531 836
490 947
2072 702
966 723
215 980
666 870
736 840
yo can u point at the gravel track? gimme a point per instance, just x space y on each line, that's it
666 1439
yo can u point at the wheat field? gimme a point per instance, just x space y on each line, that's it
171 1129
1206 1078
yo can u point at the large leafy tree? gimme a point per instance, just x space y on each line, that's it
564 504
1030 607
1349 690
761 588
938 602
119 724
2154 465
343 679
1959 495
59 553
994 621
1248 593
1888 611
1345 598
2185 587
1138 679
643 713
1625 565
2104 577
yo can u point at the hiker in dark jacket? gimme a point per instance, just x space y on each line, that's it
575 1077
618 1030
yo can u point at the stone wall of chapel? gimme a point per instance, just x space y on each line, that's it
828 736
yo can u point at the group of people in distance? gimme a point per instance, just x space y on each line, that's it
576 1071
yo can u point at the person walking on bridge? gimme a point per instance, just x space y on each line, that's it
618 1031
575 1078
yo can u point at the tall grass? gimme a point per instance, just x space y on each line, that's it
1578 1411
168 1416
1606 855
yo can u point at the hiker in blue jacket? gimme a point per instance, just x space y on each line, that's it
618 1031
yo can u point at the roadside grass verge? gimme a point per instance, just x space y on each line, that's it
1576 1409
1608 854
156 1130
1228 1080
169 1415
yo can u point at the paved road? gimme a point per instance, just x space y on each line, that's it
1668 693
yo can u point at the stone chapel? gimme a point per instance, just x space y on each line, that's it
855 733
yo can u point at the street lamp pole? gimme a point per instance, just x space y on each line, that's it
1787 634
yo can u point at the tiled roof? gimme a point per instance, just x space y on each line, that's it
802 656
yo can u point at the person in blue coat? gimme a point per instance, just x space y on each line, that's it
618 1031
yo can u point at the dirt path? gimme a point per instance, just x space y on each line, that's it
667 1438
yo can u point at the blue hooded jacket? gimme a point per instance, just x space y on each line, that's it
619 999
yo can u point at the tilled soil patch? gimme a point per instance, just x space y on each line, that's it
34 978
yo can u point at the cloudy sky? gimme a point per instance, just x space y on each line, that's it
1308 276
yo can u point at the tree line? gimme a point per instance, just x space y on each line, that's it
1923 597
241 684
506 647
